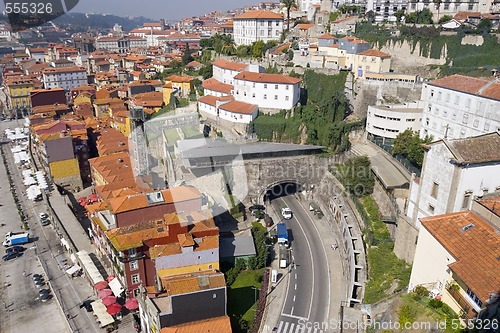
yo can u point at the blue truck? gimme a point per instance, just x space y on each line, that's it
282 232
16 239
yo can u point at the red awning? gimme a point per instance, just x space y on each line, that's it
114 309
132 304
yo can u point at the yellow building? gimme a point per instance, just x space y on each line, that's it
371 61
82 97
121 121
182 84
167 93
18 91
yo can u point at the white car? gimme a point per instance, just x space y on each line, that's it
286 213
43 215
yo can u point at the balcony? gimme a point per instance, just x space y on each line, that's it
467 309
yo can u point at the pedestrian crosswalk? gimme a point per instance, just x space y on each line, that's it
293 327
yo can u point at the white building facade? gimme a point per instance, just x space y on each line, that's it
257 25
66 78
454 173
270 91
226 108
459 106
387 121
224 71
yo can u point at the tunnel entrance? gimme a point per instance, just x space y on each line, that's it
281 189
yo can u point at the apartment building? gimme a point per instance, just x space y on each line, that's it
227 108
271 91
459 106
256 25
464 247
224 71
65 78
40 97
385 122
449 7
18 91
120 44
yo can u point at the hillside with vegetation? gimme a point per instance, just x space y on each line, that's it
460 59
318 119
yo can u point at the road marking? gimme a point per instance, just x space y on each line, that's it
286 326
310 254
279 326
293 316
295 276
295 286
327 264
293 298
292 325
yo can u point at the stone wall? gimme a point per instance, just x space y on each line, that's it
407 60
405 242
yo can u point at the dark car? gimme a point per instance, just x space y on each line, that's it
11 255
45 221
15 248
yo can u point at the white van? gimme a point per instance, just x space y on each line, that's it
274 276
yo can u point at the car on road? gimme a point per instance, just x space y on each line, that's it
44 221
286 213
43 215
11 255
15 248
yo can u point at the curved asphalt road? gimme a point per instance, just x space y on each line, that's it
308 290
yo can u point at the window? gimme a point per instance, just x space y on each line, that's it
430 209
439 96
136 293
447 98
265 96
253 95
132 252
135 279
287 87
275 97
474 297
275 86
253 85
465 119
476 123
134 265
435 190
486 126
265 85
466 201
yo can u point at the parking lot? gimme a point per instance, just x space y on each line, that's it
22 309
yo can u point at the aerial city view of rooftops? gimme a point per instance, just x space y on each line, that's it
293 166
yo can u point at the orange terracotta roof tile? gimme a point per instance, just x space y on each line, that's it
460 82
259 15
231 65
138 201
179 78
193 282
267 78
219 325
305 26
239 107
375 53
476 249
215 85
492 203
134 235
185 240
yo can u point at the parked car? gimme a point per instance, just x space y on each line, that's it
15 248
44 221
286 213
43 215
11 255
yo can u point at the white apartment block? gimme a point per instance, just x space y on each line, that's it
268 91
450 7
226 108
224 71
454 173
387 121
120 44
460 106
257 25
64 77
306 4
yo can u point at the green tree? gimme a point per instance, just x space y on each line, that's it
445 18
410 145
356 176
288 5
399 14
187 57
258 49
370 16
484 26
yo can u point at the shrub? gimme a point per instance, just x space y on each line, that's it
435 303
407 314
421 291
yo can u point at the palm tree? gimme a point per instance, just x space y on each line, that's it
288 4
